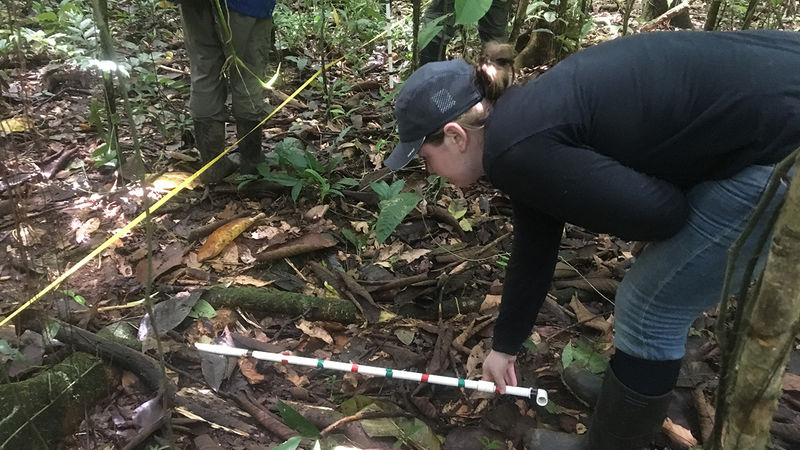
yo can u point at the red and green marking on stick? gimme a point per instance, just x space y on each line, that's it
286 358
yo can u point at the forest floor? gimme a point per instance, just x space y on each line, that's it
56 206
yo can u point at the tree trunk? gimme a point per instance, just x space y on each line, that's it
416 13
519 20
713 13
543 47
748 15
751 386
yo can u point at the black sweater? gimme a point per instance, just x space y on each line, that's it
611 138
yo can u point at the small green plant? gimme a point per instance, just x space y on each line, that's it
502 260
301 169
78 298
584 355
8 354
394 207
491 444
358 241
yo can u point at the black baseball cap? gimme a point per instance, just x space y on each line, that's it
437 93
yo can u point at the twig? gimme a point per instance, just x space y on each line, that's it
576 324
362 416
399 283
471 254
170 69
587 281
473 329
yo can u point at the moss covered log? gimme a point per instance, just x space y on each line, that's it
42 410
280 302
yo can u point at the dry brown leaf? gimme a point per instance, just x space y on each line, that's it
170 180
349 383
388 251
164 261
317 212
245 280
585 317
224 235
678 433
490 302
412 255
476 357
248 368
361 227
313 330
791 382
291 375
340 340
86 229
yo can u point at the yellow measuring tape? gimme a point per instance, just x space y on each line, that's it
173 192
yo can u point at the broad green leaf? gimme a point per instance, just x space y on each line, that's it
585 356
296 421
465 225
381 188
291 444
530 345
202 309
347 182
549 16
313 163
554 408
352 238
429 30
284 179
396 187
393 211
290 152
296 191
315 175
457 208
51 330
468 12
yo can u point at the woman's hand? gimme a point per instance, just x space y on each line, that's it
499 367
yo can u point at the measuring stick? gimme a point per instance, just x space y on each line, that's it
286 358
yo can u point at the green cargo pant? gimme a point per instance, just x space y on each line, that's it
250 39
491 27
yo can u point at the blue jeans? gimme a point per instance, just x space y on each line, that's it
673 281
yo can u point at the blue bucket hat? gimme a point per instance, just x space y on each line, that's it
437 93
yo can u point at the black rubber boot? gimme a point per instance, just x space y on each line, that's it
623 420
582 384
210 140
250 147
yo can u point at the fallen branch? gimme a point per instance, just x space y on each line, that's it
267 420
42 410
669 14
363 416
305 244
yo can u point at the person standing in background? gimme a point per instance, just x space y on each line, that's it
491 27
243 28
